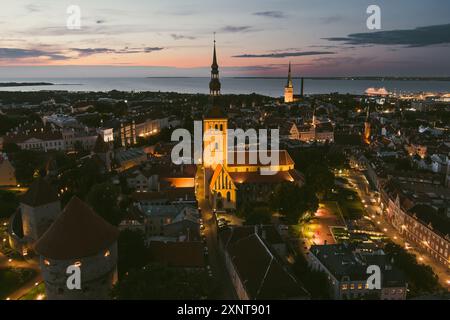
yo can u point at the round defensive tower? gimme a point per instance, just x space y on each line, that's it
79 237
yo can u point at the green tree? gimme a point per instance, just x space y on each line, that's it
320 179
421 278
293 201
158 282
103 198
28 164
10 147
132 252
78 146
258 215
8 203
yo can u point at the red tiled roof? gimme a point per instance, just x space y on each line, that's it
250 156
39 193
178 254
77 232
257 177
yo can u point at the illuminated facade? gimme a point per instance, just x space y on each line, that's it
289 88
224 183
315 132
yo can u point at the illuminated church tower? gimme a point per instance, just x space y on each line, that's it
289 89
215 122
367 130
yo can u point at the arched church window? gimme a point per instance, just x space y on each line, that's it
228 196
221 127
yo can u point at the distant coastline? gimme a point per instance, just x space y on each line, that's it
359 78
25 84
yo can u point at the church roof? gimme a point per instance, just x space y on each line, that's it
234 160
39 193
256 177
215 112
77 232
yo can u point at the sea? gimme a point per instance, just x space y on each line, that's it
266 86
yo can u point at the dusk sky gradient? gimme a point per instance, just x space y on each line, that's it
254 38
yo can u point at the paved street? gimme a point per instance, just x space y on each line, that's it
226 290
318 230
214 259
374 211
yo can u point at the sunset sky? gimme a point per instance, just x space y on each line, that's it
254 38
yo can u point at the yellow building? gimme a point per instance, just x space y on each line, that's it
289 88
289 95
224 183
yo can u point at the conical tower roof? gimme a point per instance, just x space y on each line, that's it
77 232
39 193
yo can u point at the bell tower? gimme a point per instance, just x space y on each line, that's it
215 123
289 88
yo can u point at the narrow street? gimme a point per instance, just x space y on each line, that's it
226 290
374 211
214 259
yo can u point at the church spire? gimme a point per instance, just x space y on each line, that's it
214 84
289 80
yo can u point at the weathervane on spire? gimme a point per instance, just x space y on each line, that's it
214 84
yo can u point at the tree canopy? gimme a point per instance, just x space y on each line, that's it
293 201
132 251
103 198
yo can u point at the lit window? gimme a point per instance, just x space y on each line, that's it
46 262
344 287
107 253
